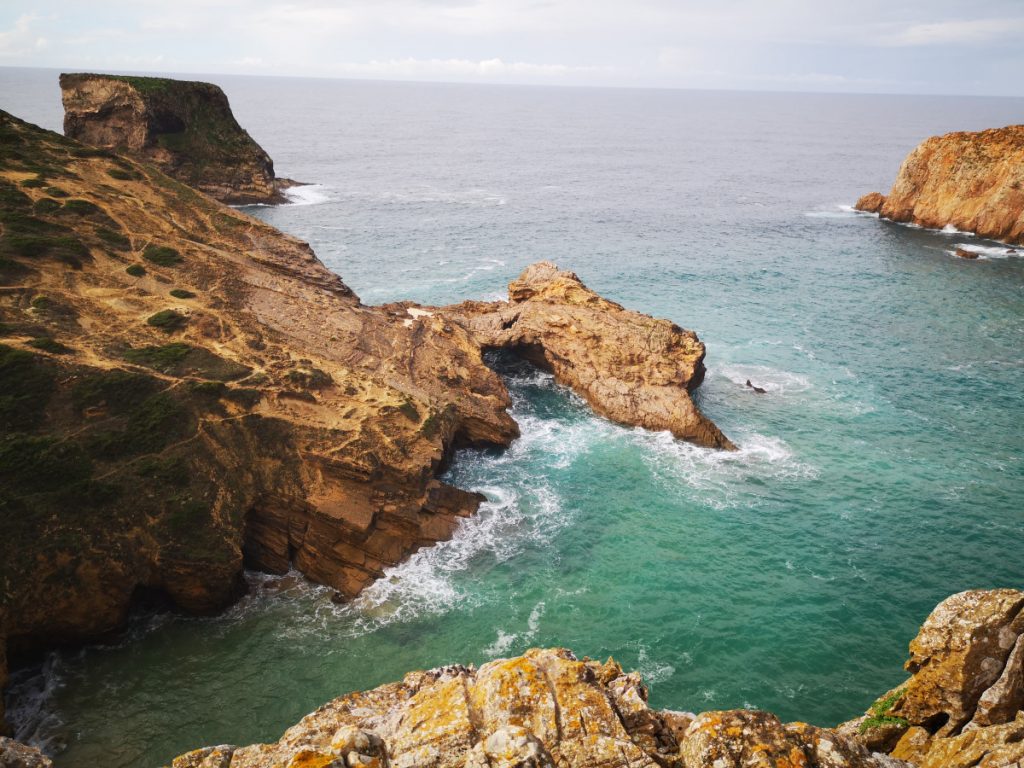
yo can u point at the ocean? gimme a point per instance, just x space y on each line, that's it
880 472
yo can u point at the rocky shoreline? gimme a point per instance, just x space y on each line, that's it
971 181
961 707
209 396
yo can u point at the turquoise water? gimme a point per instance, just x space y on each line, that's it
881 471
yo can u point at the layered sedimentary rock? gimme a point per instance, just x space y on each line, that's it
186 128
971 181
615 358
184 389
961 708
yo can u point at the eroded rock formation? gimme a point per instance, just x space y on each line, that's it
631 368
184 389
544 709
186 128
961 708
972 181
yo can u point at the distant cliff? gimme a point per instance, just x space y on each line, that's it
186 128
972 181
960 708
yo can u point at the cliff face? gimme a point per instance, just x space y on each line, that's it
961 707
185 128
184 389
972 181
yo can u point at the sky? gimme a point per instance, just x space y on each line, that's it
872 46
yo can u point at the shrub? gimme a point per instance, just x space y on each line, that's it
136 270
82 208
162 255
181 293
167 320
36 183
56 192
173 471
878 713
51 345
121 175
208 388
120 391
26 382
161 358
30 464
47 205
115 240
42 303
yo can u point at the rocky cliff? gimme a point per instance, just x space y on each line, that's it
184 389
971 181
185 128
960 708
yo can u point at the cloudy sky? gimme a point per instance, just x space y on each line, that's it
890 46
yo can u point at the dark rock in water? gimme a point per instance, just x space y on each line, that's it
186 128
963 253
1011 251
758 390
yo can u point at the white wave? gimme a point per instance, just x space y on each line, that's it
718 476
507 640
989 252
949 229
838 211
307 194
770 379
31 692
651 670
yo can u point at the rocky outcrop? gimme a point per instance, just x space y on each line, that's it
961 708
631 368
962 705
185 128
16 755
184 389
971 181
544 709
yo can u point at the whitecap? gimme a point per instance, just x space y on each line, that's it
989 252
307 194
770 379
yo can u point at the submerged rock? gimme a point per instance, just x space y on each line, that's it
185 128
971 181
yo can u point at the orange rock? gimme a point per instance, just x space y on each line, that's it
972 181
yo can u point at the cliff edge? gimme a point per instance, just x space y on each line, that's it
185 128
971 181
960 708
185 390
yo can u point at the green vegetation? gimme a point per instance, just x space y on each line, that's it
37 183
408 410
878 713
46 206
122 175
167 320
185 514
244 396
149 426
115 240
26 383
49 344
172 471
56 192
42 303
83 208
136 270
311 378
162 255
165 358
208 388
119 391
181 293
32 464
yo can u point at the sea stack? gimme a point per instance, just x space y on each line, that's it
971 181
185 128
